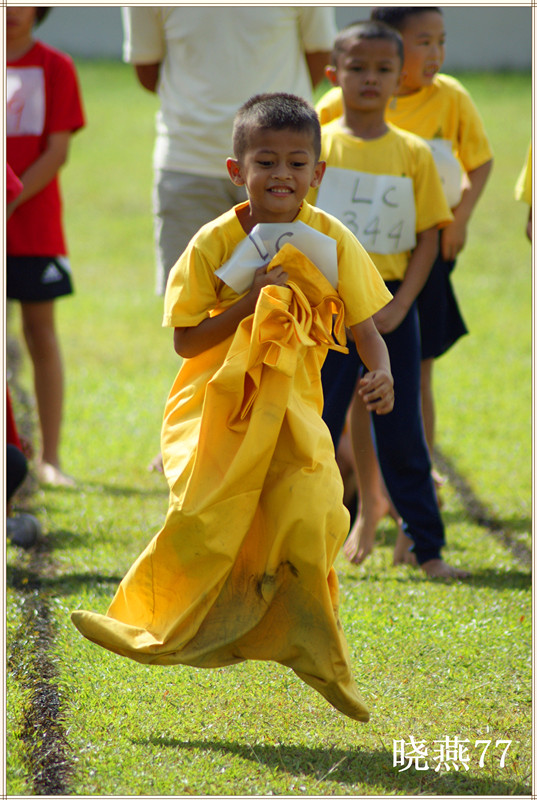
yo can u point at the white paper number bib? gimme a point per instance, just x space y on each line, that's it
448 168
265 240
378 209
25 112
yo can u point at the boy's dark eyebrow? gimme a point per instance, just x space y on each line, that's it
360 60
273 152
423 34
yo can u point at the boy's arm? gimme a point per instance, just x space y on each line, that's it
419 266
316 63
43 170
191 341
148 75
376 387
453 237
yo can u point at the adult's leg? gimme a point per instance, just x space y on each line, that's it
182 204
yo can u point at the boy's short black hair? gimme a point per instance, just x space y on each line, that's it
366 29
396 16
275 111
41 12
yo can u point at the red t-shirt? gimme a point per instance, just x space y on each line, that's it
12 435
13 185
42 98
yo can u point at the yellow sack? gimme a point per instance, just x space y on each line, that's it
242 568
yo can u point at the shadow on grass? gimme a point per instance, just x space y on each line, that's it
111 489
350 767
25 580
493 579
61 539
504 528
513 524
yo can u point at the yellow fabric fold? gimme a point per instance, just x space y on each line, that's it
242 568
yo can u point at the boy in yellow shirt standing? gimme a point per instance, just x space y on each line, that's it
438 108
383 184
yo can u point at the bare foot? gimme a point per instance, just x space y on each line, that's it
401 551
51 475
156 465
437 568
361 538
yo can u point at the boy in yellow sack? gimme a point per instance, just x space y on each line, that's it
242 568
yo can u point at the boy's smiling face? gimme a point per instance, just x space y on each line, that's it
424 39
278 168
368 71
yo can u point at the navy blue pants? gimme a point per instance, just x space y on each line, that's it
399 436
16 469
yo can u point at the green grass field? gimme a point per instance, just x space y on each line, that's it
434 661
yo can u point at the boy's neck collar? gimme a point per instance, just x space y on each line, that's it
18 50
410 92
363 127
243 214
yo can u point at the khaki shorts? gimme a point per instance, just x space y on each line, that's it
182 203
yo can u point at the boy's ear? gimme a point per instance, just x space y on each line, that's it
331 73
318 174
234 171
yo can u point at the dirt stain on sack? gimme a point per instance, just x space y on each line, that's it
270 579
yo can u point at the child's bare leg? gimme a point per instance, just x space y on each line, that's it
345 462
43 346
156 464
401 552
373 503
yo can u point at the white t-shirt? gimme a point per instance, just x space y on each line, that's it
213 59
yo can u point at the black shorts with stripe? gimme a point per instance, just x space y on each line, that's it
37 278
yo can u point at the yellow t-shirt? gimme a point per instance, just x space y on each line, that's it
523 184
443 114
383 167
194 292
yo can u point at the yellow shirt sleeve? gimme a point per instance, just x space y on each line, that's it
360 285
194 292
330 106
523 185
473 146
191 290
